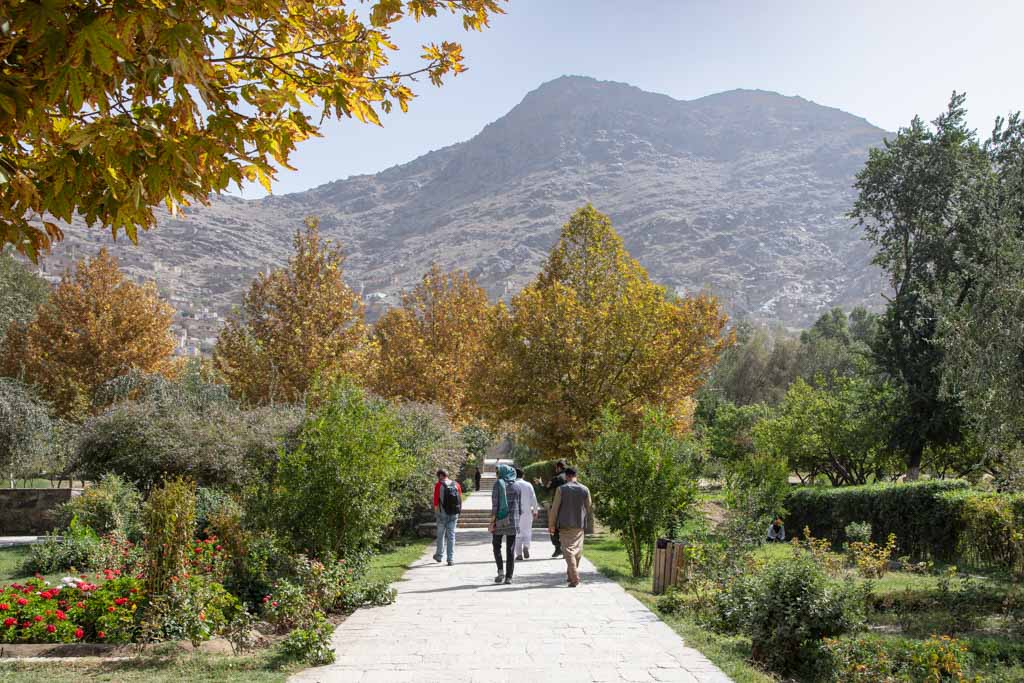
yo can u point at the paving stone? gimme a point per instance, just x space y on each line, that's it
533 631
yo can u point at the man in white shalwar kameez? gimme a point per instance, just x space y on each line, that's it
529 509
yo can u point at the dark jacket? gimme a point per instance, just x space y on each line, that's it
556 481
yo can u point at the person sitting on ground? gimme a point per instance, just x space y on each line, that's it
505 509
776 531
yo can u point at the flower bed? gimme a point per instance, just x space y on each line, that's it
75 610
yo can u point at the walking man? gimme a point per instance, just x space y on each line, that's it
447 506
571 513
528 512
556 481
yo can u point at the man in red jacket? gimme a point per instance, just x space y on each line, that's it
447 507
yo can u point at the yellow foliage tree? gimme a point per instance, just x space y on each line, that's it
110 108
95 326
297 323
594 331
429 345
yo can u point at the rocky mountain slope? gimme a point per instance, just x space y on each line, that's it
743 193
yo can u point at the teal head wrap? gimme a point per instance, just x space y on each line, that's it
506 477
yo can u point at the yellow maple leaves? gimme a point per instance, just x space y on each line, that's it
109 109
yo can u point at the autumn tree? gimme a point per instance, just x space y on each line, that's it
108 109
429 344
592 331
96 326
296 323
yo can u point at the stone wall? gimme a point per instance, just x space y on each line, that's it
30 512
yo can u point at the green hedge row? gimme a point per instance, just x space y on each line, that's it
943 520
917 513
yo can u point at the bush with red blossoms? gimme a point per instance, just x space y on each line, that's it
76 610
207 557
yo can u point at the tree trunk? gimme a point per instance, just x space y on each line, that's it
914 461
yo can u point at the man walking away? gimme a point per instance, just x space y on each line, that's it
528 512
447 506
476 479
553 485
571 513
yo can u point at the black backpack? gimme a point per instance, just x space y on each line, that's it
451 502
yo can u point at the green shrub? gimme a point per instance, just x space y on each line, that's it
110 506
858 532
429 442
641 484
786 608
311 643
334 492
918 513
755 492
159 429
56 553
891 660
211 504
196 609
168 520
990 529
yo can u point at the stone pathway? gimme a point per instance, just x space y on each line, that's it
454 624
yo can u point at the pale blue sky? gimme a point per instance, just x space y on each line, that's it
885 61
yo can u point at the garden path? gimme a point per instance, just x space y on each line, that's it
454 624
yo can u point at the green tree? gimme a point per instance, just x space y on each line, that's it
981 321
839 430
108 109
21 292
756 369
730 436
26 431
334 492
641 484
915 204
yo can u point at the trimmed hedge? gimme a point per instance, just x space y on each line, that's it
944 520
990 527
925 523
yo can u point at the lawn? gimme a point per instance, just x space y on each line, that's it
165 666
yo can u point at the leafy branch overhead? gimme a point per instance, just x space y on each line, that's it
109 109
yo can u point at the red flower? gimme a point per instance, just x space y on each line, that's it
22 601
80 604
79 633
26 624
199 550
38 617
4 606
61 616
202 616
101 634
266 598
10 621
274 604
218 549
50 628
120 601
111 608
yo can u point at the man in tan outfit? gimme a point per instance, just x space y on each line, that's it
571 513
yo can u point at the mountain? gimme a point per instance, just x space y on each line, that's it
743 193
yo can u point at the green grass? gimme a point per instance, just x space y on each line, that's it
392 563
159 666
11 562
727 652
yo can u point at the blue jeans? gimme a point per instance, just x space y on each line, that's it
445 534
